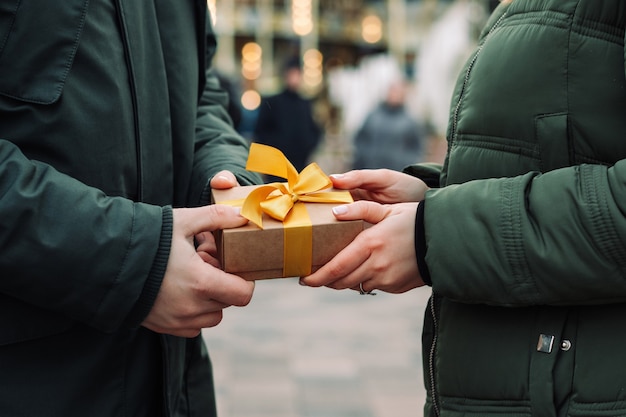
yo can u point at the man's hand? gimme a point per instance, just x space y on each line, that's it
223 180
381 185
381 257
194 292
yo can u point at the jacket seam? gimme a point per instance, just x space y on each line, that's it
482 404
589 32
551 18
510 146
70 60
10 28
468 70
586 27
611 246
598 29
128 56
66 66
567 86
512 237
580 158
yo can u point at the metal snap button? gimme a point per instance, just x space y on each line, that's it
545 342
566 345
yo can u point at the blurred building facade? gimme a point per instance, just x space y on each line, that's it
350 50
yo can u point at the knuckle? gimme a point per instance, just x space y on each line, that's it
375 211
220 210
380 265
370 241
188 310
190 334
336 270
380 268
244 299
214 319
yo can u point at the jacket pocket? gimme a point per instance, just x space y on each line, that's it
482 360
20 322
38 42
552 136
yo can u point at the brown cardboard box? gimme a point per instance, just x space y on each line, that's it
255 253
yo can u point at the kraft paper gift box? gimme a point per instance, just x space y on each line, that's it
254 253
292 230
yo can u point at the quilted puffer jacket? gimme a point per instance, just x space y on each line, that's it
526 236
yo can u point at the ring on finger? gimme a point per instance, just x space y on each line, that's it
363 292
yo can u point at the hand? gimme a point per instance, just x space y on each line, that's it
194 293
381 185
381 257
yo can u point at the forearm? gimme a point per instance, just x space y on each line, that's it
49 218
218 145
529 240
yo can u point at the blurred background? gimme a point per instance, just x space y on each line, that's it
351 50
305 352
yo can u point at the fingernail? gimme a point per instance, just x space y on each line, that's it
338 210
200 238
222 177
338 176
237 210
302 282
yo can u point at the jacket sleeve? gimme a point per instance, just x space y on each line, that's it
69 249
218 146
428 172
538 239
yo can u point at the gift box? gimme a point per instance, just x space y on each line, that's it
292 230
254 253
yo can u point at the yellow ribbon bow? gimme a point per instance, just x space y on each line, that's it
283 202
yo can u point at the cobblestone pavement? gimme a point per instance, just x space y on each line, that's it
315 352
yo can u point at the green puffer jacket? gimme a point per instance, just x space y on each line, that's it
107 120
526 238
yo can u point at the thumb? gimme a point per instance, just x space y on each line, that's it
369 179
224 180
368 211
208 218
347 180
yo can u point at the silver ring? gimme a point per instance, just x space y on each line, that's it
363 292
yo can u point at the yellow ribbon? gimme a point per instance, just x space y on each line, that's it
283 202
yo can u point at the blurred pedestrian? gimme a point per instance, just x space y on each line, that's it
522 232
285 120
110 125
389 137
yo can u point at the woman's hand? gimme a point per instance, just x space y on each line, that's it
381 257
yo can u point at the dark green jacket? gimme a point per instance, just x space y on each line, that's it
526 239
107 120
